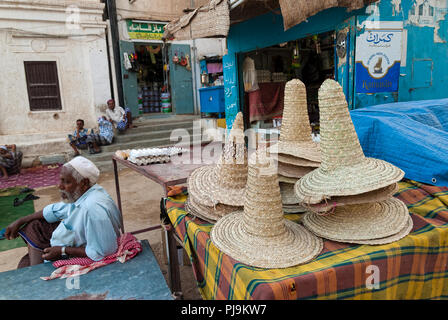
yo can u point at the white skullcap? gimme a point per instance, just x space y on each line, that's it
85 168
3 147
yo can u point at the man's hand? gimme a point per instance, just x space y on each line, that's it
52 253
13 229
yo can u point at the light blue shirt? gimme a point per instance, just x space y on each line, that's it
92 221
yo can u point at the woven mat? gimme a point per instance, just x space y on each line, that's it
42 176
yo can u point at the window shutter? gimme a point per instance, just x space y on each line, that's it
43 85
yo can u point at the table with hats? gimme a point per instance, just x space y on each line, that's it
307 220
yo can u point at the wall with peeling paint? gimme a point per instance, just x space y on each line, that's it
423 69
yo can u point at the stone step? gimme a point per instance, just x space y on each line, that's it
158 126
139 136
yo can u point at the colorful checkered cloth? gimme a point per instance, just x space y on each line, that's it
416 267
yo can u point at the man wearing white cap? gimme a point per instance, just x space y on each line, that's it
86 223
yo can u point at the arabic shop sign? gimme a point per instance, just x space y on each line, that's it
145 30
378 57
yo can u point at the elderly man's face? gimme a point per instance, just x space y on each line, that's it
69 188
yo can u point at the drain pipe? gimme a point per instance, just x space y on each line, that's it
115 39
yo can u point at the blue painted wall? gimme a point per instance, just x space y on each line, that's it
424 76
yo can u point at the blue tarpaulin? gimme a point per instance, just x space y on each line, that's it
411 135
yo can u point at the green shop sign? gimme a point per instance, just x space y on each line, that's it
145 31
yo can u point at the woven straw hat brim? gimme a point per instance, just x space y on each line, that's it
304 150
395 237
296 161
296 246
294 210
211 214
360 222
192 211
203 186
288 194
368 175
368 197
287 179
292 171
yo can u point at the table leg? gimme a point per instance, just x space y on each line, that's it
117 189
173 264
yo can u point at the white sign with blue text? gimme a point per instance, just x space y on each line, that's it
378 56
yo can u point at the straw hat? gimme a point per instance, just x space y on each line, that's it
288 195
344 169
295 131
284 179
367 197
361 223
210 214
292 171
259 235
226 181
297 161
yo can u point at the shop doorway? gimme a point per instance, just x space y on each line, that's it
150 77
266 71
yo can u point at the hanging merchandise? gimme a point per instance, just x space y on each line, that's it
296 58
127 61
188 66
175 58
183 60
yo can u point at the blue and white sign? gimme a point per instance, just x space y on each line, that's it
378 56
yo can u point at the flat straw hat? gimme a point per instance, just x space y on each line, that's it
344 169
288 195
210 214
292 171
226 181
297 161
367 197
362 223
295 131
259 235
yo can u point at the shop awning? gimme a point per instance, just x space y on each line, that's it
297 11
214 19
208 21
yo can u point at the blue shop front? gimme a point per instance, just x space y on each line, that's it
388 51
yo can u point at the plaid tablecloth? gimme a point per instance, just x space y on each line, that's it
415 267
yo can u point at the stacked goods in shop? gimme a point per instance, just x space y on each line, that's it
279 77
350 197
217 190
263 76
297 154
165 99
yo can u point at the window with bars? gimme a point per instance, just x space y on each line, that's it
43 85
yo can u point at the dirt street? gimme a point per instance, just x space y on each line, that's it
141 209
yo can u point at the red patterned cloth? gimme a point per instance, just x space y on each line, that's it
128 247
266 103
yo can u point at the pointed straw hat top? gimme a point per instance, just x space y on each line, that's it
295 131
344 169
224 182
259 235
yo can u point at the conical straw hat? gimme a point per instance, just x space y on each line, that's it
259 235
295 131
226 181
367 197
210 214
344 169
360 223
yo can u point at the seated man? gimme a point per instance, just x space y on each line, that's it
120 118
106 132
85 224
10 160
82 140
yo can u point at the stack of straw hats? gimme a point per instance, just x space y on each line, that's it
350 197
217 190
297 153
259 235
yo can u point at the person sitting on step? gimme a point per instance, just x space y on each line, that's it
10 160
120 118
81 139
105 136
